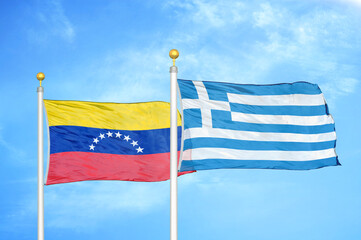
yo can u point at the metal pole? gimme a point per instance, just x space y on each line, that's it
173 148
40 90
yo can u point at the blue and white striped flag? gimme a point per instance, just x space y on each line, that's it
280 126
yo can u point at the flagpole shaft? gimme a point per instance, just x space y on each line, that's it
40 91
173 155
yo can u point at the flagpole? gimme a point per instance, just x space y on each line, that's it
173 148
40 76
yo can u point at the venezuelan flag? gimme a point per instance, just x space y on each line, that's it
108 141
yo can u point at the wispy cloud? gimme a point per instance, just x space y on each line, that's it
52 21
356 3
336 88
136 74
212 187
210 13
236 42
11 149
267 16
83 206
95 201
311 44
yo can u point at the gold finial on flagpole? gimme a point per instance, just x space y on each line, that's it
40 76
173 54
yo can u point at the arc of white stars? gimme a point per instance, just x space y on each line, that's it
117 135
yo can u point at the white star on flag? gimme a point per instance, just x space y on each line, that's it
134 143
96 140
101 136
117 135
126 138
109 134
91 147
139 149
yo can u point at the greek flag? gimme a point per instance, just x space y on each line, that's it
279 126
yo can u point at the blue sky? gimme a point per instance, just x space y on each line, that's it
118 51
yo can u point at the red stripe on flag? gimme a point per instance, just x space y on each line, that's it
68 167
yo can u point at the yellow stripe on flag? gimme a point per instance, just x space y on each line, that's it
119 116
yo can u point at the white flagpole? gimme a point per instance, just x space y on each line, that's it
173 148
40 76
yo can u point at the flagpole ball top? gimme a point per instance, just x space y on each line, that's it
173 53
40 76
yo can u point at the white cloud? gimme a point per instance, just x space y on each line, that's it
13 151
124 75
338 87
353 2
211 13
216 186
135 75
311 42
230 41
267 16
53 22
83 205
348 85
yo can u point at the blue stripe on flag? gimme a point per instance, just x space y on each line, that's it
192 118
188 89
78 139
256 145
264 164
222 119
218 91
280 110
